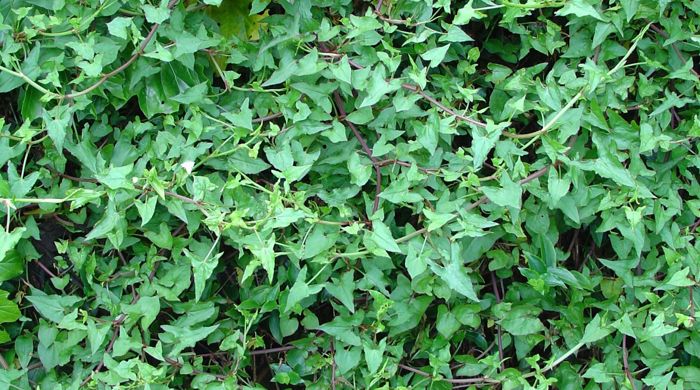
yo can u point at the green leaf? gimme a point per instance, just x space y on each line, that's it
119 26
522 325
557 187
116 177
301 290
398 192
428 133
508 195
342 290
343 329
24 348
360 171
656 328
258 6
447 323
435 55
146 209
466 14
377 87
12 265
342 70
594 331
52 307
374 355
348 359
193 94
147 308
203 261
381 235
455 34
437 220
9 311
53 5
57 121
264 252
244 118
455 275
416 262
282 74
629 7
579 8
156 15
680 279
105 225
185 337
611 169
9 240
361 116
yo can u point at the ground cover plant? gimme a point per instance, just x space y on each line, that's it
349 194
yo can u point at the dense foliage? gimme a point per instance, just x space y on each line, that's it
344 194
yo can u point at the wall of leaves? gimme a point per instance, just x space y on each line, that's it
397 194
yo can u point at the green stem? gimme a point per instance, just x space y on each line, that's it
635 41
83 23
549 124
318 273
33 200
557 362
532 6
29 81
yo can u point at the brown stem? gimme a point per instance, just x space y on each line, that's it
45 269
377 188
340 106
406 164
695 226
332 365
271 350
441 106
131 60
475 380
101 364
486 351
679 54
625 362
267 117
419 91
498 327
676 118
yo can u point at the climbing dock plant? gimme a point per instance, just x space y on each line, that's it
338 194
